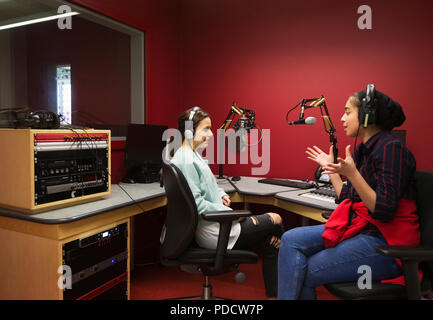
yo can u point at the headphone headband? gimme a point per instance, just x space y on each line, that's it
189 131
370 92
193 111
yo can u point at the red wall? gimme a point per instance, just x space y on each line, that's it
268 55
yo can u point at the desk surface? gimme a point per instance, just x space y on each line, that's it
118 198
250 186
140 192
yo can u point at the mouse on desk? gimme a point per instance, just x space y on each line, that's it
236 178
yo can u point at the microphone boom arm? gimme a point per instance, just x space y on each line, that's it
327 122
330 129
246 121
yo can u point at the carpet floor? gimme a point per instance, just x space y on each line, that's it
155 282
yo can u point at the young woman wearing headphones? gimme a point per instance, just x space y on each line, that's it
376 205
261 231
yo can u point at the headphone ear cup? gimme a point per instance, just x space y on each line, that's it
189 129
361 113
367 112
372 116
56 121
361 117
366 116
189 135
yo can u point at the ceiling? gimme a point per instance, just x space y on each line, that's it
20 10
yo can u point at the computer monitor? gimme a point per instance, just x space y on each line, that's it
143 156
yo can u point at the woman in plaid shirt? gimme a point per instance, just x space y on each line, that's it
378 192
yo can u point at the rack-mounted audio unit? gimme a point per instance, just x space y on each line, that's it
46 169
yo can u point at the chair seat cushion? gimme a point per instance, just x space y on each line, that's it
350 290
202 256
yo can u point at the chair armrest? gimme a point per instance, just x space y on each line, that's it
410 257
224 216
225 219
414 253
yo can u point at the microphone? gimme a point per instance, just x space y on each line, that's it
236 141
309 121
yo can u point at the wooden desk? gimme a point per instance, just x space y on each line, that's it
31 250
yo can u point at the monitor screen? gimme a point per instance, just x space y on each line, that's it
144 145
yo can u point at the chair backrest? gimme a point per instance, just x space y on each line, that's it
424 200
181 220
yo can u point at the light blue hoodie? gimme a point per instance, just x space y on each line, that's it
207 195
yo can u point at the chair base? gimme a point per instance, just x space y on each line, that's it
206 293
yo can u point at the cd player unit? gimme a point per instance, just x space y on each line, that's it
42 170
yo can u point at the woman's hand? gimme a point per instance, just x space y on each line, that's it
320 157
226 200
345 167
326 161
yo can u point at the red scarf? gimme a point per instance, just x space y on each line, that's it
403 229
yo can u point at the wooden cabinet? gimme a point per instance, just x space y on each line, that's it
31 260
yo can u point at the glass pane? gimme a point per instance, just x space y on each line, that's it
64 93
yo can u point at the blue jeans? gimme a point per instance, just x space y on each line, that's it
304 263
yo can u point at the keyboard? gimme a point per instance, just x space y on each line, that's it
323 193
288 183
327 192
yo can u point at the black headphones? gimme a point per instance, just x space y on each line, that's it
189 124
41 119
367 112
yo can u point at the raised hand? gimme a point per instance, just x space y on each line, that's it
345 166
319 156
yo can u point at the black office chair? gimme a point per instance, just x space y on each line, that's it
410 256
178 247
